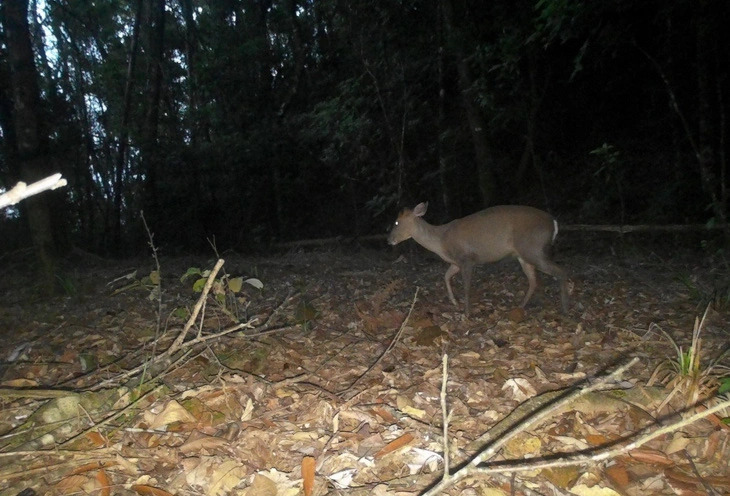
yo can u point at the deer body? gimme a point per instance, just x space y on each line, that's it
525 233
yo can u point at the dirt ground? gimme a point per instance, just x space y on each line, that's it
328 378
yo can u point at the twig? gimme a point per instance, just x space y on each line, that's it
265 326
22 190
710 490
547 411
158 327
447 450
533 419
599 455
108 419
445 414
196 310
393 342
570 460
193 342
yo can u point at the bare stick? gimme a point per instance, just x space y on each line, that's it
546 412
110 418
22 190
193 342
570 460
445 414
531 420
599 455
196 310
159 287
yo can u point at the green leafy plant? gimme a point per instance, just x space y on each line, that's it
149 282
225 289
67 285
305 314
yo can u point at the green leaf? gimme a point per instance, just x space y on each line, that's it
724 385
181 313
305 312
199 284
254 282
155 277
192 271
235 284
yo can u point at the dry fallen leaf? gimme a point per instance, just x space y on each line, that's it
678 443
583 490
173 412
149 490
308 466
519 389
523 444
618 475
97 440
207 443
72 484
261 486
88 467
224 477
652 456
562 477
104 482
395 444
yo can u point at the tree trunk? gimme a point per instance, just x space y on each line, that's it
441 126
477 125
119 185
707 135
197 121
31 140
150 150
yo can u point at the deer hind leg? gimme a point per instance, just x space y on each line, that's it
451 272
466 272
529 270
556 271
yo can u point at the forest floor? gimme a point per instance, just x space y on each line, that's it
328 379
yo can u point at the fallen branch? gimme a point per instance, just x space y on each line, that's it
599 455
532 419
22 190
196 310
473 468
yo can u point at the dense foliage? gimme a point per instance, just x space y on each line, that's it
259 120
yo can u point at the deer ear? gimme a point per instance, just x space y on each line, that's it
420 209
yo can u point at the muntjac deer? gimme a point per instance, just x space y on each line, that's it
487 236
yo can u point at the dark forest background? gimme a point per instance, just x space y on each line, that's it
257 121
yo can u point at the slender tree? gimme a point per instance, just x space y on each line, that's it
31 139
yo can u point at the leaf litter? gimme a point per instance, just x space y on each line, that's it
334 386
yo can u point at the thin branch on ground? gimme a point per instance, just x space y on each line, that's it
110 418
531 420
710 490
186 345
175 346
599 455
472 468
547 411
